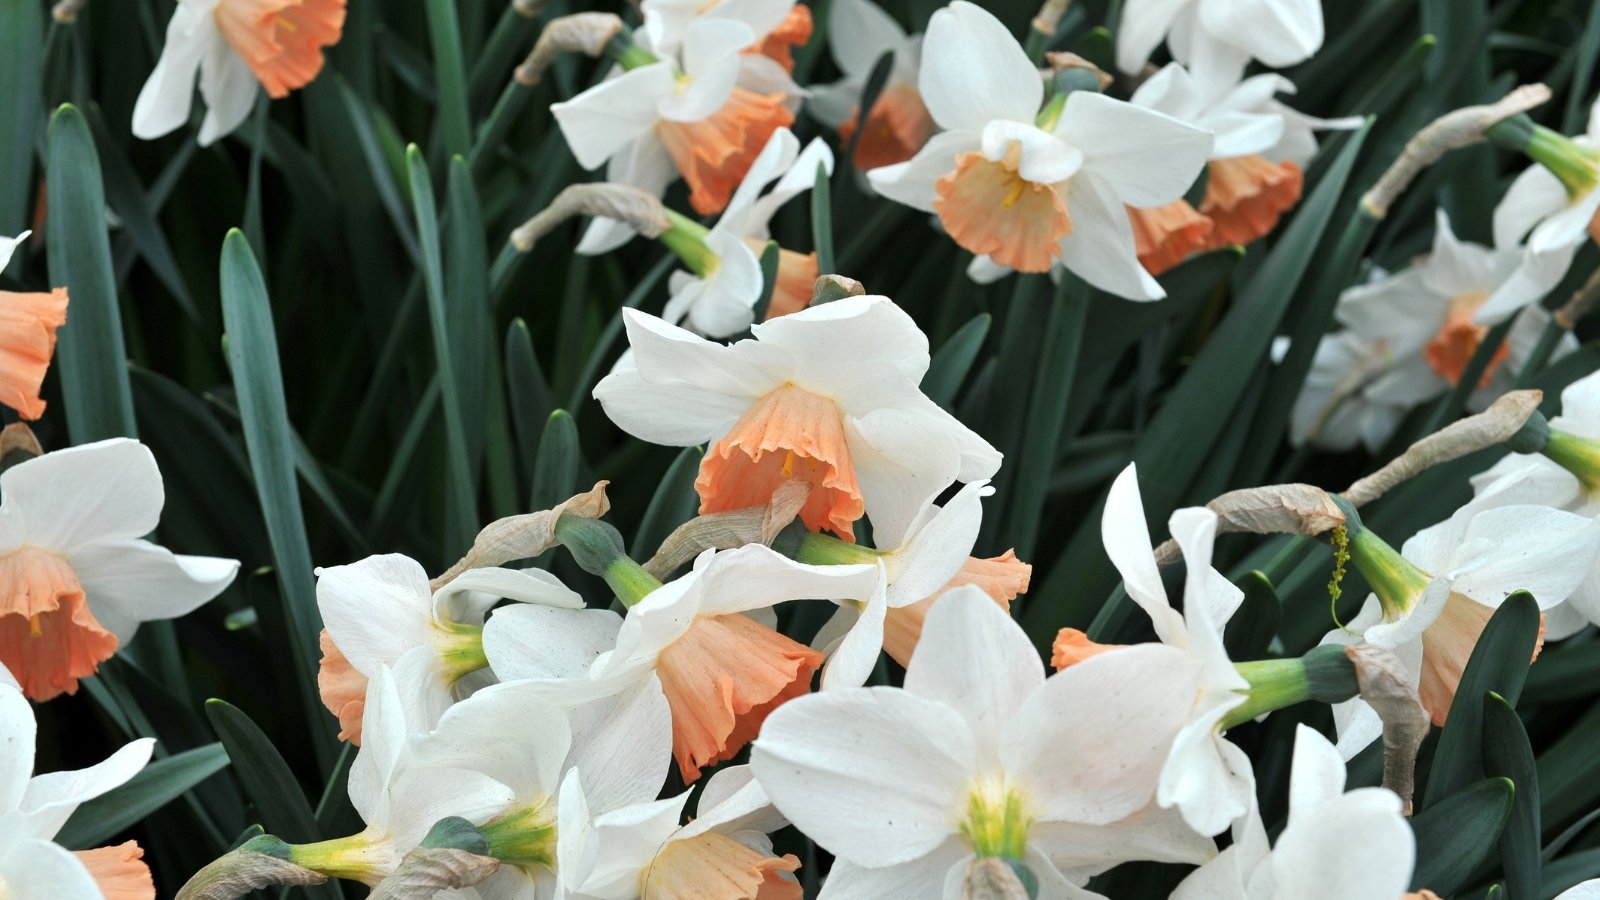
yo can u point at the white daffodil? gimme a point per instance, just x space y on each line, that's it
779 27
1564 476
236 46
1254 173
1552 205
1219 36
1409 337
718 296
380 612
1206 777
33 808
79 576
1431 600
400 796
678 109
1588 890
28 324
1337 844
981 757
642 851
931 557
722 671
1025 182
829 394
511 733
859 33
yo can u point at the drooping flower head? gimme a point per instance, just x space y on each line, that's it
76 576
829 395
859 33
33 808
236 46
1025 182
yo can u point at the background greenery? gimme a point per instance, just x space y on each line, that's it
369 367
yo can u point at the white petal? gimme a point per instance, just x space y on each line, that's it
1588 890
383 737
848 334
774 159
167 96
230 90
1100 249
1151 833
1534 196
755 577
545 642
1126 537
858 33
1146 157
852 661
1144 23
623 745
877 776
1316 776
725 303
1542 551
1280 33
604 119
1357 846
468 596
419 798
51 798
376 609
711 65
922 877
1044 158
17 734
938 545
40 870
975 659
105 490
913 182
137 581
505 731
901 458
977 71
1206 776
1089 745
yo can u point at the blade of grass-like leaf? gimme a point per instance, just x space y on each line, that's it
252 350
1507 753
954 360
461 517
91 355
1458 833
531 401
21 37
1584 53
453 125
1047 411
822 222
555 476
613 330
512 31
870 89
386 509
769 281
155 786
372 149
1199 407
1499 663
466 280
673 503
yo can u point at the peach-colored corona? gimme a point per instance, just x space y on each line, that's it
49 638
28 324
713 866
714 153
281 41
119 871
896 129
989 208
1164 236
1245 195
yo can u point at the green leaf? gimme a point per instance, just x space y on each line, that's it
155 786
1507 753
466 279
822 222
1499 663
450 77
461 515
1251 630
1047 411
258 381
1458 833
90 351
673 503
954 360
527 391
555 476
770 258
21 37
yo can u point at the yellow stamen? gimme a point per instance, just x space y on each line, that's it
35 626
788 464
1013 194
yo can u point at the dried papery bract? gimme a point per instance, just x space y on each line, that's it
19 438
639 209
835 287
525 536
586 33
991 878
1060 61
1451 131
249 867
426 871
1383 685
1271 509
66 11
529 9
1495 425
730 529
1582 303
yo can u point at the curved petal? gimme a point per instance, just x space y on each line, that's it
508 732
18 731
376 609
104 490
913 182
878 776
137 581
922 877
468 596
1145 157
726 304
756 576
901 459
858 33
1534 196
1100 249
623 746
547 643
602 120
844 335
52 797
1280 33
229 88
711 65
40 870
976 71
1126 537
166 98
1532 548
1144 23
1357 846
1044 158
852 661
937 547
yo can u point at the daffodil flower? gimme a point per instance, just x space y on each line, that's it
380 612
78 575
1219 36
33 808
1025 183
980 756
1432 599
829 394
859 33
641 850
28 323
238 47
1337 844
1553 203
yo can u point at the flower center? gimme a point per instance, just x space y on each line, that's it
524 837
997 820
49 638
989 208
281 40
1452 349
460 649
